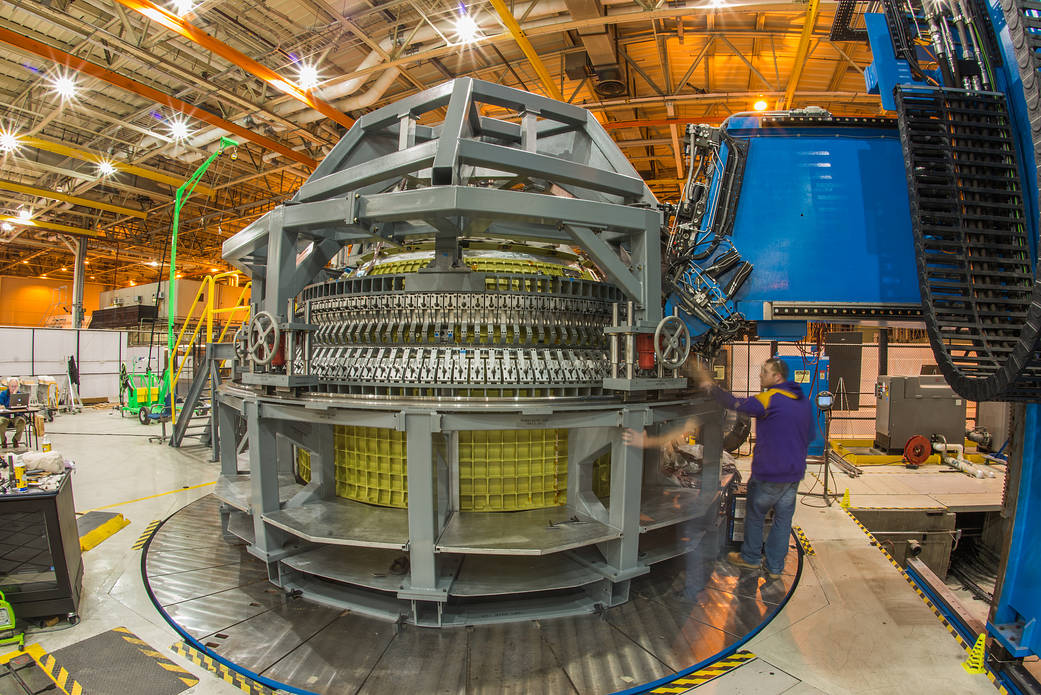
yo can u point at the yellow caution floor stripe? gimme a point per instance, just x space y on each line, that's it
47 663
228 675
803 540
914 585
704 675
160 660
146 534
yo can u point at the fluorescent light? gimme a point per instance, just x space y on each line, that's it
760 105
7 226
9 142
466 28
24 214
308 76
182 7
106 168
178 128
64 86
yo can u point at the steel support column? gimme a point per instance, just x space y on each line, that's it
78 271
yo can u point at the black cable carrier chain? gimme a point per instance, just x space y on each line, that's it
981 304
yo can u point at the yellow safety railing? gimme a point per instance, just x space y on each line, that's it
205 300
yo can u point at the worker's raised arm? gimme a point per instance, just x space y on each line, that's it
753 405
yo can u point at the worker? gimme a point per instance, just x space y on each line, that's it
784 429
7 417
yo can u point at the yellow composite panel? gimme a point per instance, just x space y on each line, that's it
372 465
842 448
485 265
499 470
510 470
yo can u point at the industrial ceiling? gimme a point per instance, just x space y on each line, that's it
107 106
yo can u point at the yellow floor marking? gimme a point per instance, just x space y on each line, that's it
152 497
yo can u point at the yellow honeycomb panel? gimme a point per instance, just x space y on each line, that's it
303 464
602 476
509 470
371 465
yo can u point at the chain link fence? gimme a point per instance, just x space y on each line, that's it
850 419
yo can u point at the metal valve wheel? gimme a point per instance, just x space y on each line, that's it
264 337
671 342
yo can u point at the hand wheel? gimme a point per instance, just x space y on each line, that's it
264 337
671 342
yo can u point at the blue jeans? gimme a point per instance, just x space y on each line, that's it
762 497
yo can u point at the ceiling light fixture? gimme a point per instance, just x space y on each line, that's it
213 270
182 7
106 168
760 105
25 262
132 283
466 28
64 269
25 215
178 128
64 86
7 226
154 264
308 76
9 142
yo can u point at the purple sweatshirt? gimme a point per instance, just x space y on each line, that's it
784 430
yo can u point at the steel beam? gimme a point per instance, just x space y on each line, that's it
71 62
812 12
50 225
88 156
521 38
191 32
75 200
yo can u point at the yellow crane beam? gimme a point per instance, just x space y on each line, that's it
87 156
75 200
521 38
812 12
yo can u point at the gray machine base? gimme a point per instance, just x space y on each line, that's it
682 612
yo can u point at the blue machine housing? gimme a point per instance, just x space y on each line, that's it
811 373
824 217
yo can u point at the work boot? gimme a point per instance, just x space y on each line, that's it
769 574
735 559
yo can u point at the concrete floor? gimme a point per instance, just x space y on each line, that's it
852 626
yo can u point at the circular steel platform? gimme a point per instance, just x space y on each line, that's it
215 592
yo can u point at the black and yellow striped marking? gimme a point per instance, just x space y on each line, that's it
145 648
143 538
247 685
713 670
939 615
871 508
61 678
803 540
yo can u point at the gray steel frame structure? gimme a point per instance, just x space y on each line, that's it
391 181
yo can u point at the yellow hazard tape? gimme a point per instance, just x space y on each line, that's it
704 675
58 675
161 661
803 540
226 674
143 538
914 585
